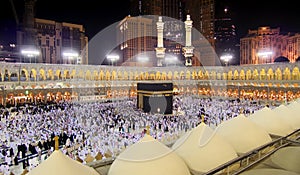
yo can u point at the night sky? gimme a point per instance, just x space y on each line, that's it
95 16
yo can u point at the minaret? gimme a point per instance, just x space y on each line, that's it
188 49
160 50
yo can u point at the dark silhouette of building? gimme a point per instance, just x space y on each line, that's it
226 41
48 40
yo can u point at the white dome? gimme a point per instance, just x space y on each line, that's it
203 150
243 134
266 118
147 157
287 158
268 171
59 163
286 113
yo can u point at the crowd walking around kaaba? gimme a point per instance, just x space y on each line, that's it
105 127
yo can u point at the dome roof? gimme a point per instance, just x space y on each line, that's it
268 171
266 118
243 134
203 150
59 163
147 157
288 115
287 158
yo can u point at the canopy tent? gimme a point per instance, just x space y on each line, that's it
147 157
295 109
284 161
287 158
268 171
59 163
203 150
266 118
286 113
243 134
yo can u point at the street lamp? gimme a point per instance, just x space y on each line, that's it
265 55
226 59
70 55
143 59
113 58
171 60
30 53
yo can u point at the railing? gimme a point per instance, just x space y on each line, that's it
28 157
245 160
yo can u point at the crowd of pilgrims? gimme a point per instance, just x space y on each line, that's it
104 127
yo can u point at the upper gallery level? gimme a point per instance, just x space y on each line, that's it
22 74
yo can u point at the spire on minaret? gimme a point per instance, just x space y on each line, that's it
160 50
56 145
148 130
188 50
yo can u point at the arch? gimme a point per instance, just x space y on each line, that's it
164 75
287 74
229 75
95 75
181 75
58 75
255 74
170 75
147 75
107 75
113 75
295 74
248 75
236 75
73 74
206 75
270 74
176 75
136 75
120 75
219 76
6 75
142 76
213 75
66 74
50 75
125 77
278 74
14 76
88 75
50 96
194 75
42 74
33 75
242 74
262 74
225 76
200 74
24 75
187 75
131 75
101 75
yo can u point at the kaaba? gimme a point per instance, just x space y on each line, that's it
155 97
